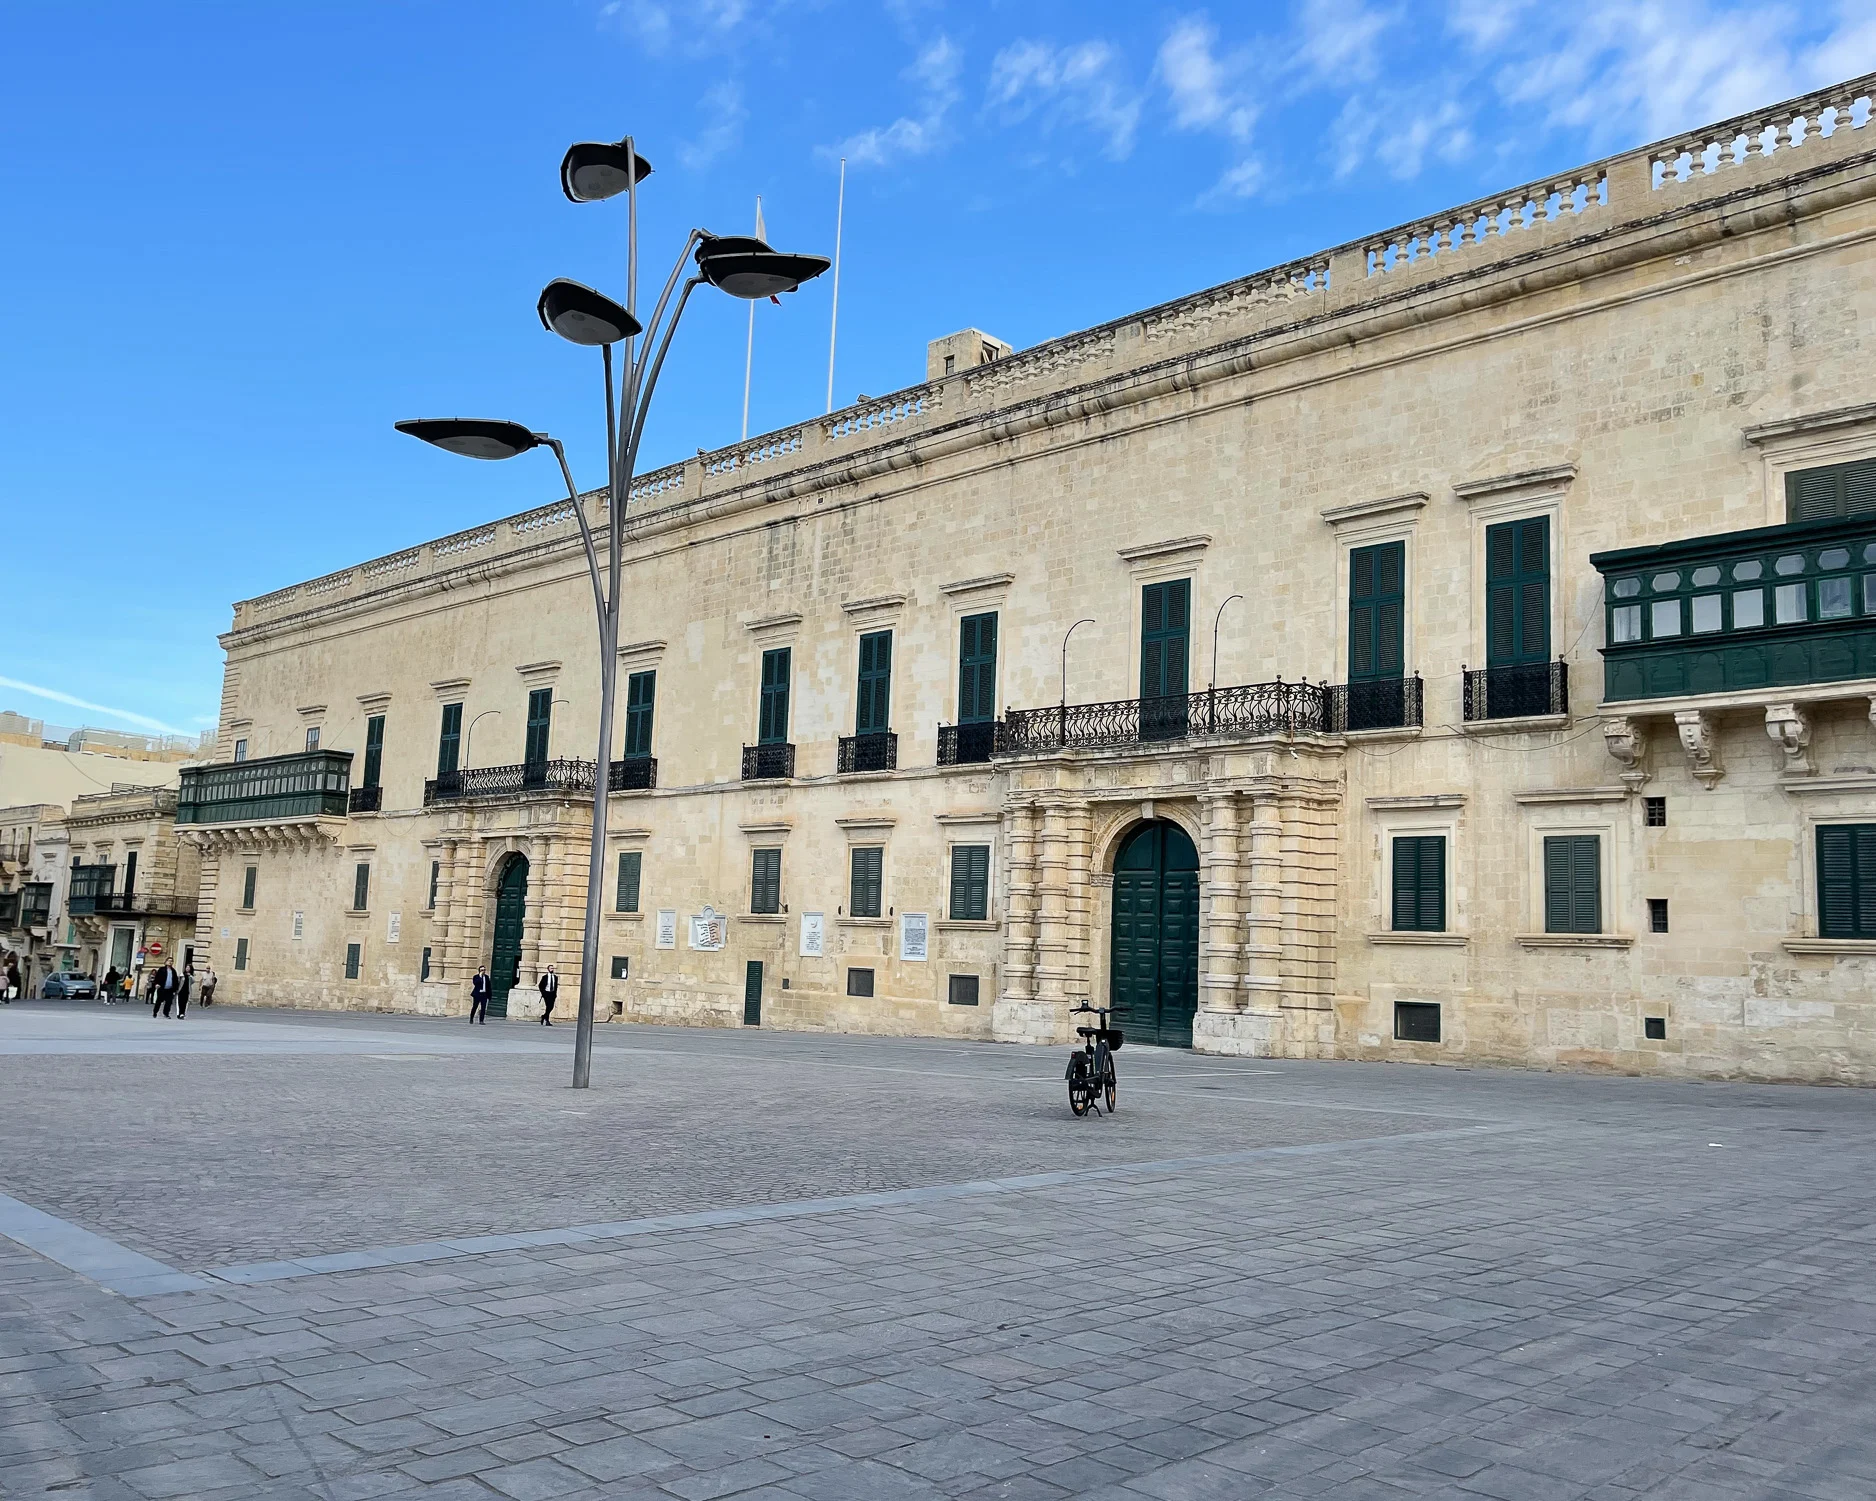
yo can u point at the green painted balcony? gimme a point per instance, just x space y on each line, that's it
313 784
1774 607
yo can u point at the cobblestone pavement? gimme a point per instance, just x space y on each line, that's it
830 1267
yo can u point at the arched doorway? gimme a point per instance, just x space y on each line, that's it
1154 970
511 905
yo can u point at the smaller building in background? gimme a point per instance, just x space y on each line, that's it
32 843
131 893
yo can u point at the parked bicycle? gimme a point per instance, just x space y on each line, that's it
1091 1069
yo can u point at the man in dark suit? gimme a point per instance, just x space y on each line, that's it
479 998
550 988
163 989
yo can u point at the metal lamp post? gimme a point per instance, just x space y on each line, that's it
741 266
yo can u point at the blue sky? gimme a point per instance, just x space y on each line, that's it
241 240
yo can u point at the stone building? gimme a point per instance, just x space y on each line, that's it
131 887
31 889
1457 645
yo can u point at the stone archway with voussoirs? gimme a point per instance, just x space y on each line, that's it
1111 825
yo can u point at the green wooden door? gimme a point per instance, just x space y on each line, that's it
977 669
511 905
752 993
1154 969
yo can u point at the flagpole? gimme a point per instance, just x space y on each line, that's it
833 326
749 353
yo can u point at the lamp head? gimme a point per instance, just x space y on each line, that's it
746 267
595 170
473 437
582 316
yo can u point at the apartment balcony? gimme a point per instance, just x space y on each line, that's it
874 752
1530 690
89 885
1382 704
365 799
529 779
969 744
1240 713
1739 613
312 784
142 904
768 763
632 774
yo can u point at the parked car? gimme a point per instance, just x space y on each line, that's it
64 987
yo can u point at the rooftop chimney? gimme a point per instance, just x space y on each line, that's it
960 351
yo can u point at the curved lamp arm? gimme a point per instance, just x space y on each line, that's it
579 515
637 429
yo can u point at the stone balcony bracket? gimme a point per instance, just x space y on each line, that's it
1702 745
1791 733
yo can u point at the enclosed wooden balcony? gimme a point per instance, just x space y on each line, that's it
311 784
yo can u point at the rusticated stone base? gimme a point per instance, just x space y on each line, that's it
1028 1021
1238 1034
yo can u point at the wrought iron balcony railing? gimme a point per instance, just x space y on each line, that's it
366 799
763 763
1530 690
969 744
1381 704
310 784
529 778
143 904
1251 709
633 774
876 752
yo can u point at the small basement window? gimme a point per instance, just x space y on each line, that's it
1655 1028
1655 812
964 990
859 982
621 967
1657 914
1416 1021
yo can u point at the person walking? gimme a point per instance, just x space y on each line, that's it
109 991
208 987
10 981
550 988
479 998
165 984
182 992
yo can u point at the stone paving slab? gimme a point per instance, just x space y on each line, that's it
1459 1284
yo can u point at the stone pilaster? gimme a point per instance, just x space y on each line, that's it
1218 959
1263 909
1052 915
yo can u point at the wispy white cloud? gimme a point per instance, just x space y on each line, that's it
1083 85
935 75
663 26
1338 41
125 716
1203 86
1400 130
724 113
1234 185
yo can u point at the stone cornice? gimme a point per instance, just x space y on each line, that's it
1810 422
1552 477
1367 510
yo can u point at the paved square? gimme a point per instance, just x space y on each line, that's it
272 1254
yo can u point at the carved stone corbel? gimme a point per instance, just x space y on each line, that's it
1702 745
1627 741
1791 733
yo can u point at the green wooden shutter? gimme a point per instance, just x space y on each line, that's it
424 972
361 886
241 953
1517 592
247 886
449 743
630 863
436 873
970 882
1165 634
540 725
874 716
374 750
641 692
1831 490
1846 880
1572 883
977 669
1376 605
765 881
773 725
352 955
1419 888
864 895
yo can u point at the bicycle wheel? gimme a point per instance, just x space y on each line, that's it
1079 1094
1111 1084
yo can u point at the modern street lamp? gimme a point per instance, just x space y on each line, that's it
1061 713
742 266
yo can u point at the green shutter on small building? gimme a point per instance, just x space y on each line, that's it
1419 892
864 889
1831 490
970 882
1376 604
449 743
241 953
374 750
641 692
1846 880
874 713
977 669
361 886
630 862
1572 883
765 881
352 955
1517 592
247 886
772 727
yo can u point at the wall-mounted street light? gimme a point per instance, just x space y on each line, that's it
744 267
1061 713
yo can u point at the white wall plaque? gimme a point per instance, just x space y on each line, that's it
708 930
394 927
667 928
913 930
813 934
299 924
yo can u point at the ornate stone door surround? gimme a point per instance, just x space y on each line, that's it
1265 818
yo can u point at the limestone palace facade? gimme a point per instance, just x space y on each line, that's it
1470 655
